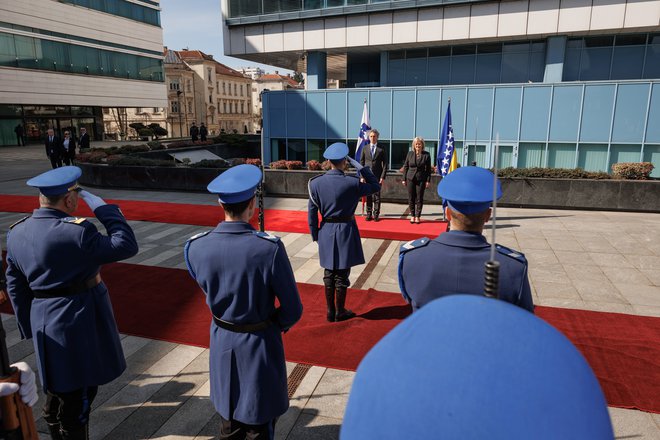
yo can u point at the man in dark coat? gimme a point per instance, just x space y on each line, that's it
53 280
194 132
454 261
83 141
203 132
375 157
335 195
242 273
20 133
53 148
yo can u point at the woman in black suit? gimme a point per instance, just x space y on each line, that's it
417 172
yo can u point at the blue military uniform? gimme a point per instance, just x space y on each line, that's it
469 367
454 261
55 288
336 195
242 272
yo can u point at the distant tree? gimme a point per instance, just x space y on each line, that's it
298 77
157 130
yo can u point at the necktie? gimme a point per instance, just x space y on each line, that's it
373 151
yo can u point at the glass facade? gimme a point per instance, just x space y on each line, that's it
612 57
492 63
587 125
122 8
37 119
249 8
42 54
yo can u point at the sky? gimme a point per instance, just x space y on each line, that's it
197 25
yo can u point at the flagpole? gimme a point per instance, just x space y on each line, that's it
491 288
438 164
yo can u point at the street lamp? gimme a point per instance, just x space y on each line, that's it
178 98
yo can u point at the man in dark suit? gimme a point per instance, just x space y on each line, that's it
53 149
374 157
83 142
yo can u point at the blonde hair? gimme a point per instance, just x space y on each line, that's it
421 139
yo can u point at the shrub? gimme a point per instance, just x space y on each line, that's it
555 173
91 157
182 144
314 165
155 145
146 132
278 165
237 161
128 149
208 163
632 170
326 165
111 159
256 162
234 140
294 165
141 161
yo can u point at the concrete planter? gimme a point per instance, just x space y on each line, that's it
606 195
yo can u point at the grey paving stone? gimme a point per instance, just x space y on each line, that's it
311 426
627 275
331 394
165 402
631 424
640 295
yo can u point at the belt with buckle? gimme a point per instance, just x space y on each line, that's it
71 289
338 219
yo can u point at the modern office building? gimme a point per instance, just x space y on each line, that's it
61 61
565 83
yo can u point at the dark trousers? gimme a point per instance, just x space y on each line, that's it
415 196
55 161
373 204
337 279
235 430
68 160
69 410
21 141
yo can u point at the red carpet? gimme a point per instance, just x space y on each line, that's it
159 303
279 220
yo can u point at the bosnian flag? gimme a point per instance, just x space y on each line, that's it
447 161
363 137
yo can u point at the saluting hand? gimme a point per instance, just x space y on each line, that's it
354 163
92 201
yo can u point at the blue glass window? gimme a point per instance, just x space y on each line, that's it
561 155
596 58
592 157
531 155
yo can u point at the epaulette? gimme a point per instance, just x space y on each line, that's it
74 220
267 236
200 235
20 221
414 244
519 256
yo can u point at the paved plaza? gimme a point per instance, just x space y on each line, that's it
592 260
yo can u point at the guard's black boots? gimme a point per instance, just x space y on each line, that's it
342 313
77 433
54 430
330 303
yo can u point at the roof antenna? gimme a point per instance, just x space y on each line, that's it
491 288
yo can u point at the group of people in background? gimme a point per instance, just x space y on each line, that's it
63 151
198 133
417 171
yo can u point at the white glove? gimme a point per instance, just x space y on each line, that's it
27 388
354 163
92 201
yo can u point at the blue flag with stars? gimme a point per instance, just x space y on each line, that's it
447 161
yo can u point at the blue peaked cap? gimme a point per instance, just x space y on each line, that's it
470 367
56 182
237 184
468 189
336 151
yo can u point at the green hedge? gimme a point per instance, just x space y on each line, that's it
140 161
551 173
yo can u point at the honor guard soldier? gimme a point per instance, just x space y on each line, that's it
55 286
454 261
470 367
242 272
335 195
